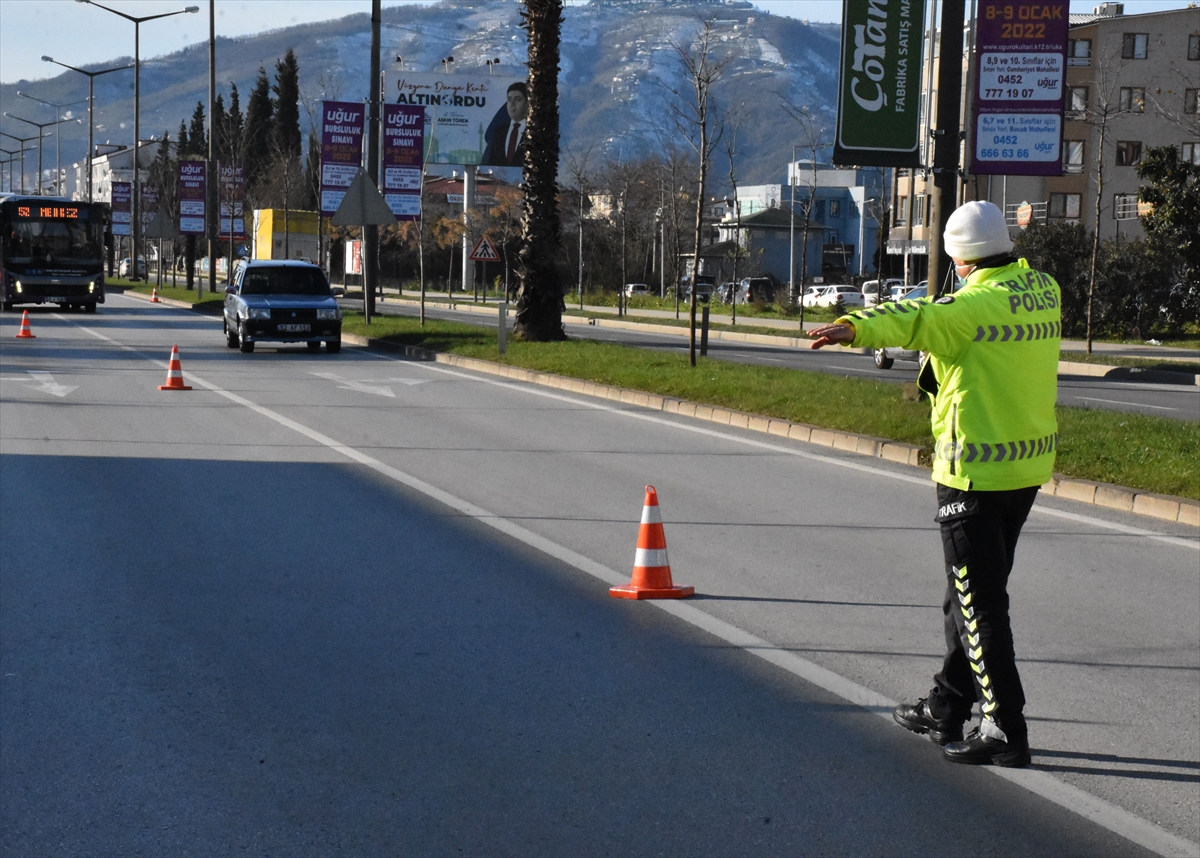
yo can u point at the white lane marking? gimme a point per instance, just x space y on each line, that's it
1120 402
411 382
356 386
1092 808
850 369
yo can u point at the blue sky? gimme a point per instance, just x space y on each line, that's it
78 35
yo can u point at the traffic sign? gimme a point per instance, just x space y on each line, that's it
484 251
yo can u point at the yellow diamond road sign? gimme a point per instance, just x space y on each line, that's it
485 251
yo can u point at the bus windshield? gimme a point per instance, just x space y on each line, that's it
66 235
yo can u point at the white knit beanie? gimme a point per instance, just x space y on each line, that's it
975 231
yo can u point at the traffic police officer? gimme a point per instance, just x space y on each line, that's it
991 374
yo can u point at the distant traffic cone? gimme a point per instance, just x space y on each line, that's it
651 571
174 373
25 333
154 295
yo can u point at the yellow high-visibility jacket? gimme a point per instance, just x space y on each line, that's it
991 372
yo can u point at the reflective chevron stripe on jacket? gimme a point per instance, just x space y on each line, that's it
991 373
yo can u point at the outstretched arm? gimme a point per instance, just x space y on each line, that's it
839 333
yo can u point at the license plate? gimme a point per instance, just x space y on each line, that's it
294 329
54 300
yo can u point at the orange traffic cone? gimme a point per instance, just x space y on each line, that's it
651 571
174 373
25 333
154 295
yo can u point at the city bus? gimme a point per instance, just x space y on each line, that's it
51 252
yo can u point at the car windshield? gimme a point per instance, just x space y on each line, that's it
284 281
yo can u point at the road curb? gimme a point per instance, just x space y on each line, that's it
1165 507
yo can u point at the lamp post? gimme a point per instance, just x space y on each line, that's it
57 137
792 228
41 134
135 226
91 100
22 150
15 156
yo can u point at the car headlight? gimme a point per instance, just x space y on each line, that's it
329 315
257 313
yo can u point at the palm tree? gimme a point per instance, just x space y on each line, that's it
540 299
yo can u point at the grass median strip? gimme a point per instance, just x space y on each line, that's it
1143 452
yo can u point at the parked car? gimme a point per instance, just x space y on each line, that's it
705 287
850 296
886 357
811 294
891 288
632 289
758 289
281 301
126 266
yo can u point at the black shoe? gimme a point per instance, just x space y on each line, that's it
919 719
979 750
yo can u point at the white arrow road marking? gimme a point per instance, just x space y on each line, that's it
45 382
409 381
358 386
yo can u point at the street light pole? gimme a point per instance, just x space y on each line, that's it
58 189
91 99
22 150
135 226
792 226
41 134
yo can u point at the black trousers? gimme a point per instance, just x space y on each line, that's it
979 537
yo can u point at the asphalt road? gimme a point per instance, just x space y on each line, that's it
354 604
1178 401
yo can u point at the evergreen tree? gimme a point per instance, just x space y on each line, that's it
235 126
220 125
259 131
181 147
197 134
287 106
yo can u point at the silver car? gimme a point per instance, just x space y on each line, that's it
885 357
281 301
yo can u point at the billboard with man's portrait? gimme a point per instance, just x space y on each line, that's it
470 119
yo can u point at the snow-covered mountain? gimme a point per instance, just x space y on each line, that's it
620 72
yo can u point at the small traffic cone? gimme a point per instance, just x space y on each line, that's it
651 570
154 295
25 333
174 373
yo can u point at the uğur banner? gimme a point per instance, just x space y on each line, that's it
879 87
1020 69
403 159
192 192
341 150
122 207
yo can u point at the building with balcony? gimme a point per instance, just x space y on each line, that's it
1132 84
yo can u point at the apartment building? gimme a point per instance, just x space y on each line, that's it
1133 84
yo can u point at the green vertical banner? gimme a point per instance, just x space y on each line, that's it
879 84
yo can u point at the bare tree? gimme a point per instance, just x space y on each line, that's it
1098 115
701 126
578 170
814 140
733 121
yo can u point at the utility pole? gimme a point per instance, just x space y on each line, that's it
371 233
946 138
211 216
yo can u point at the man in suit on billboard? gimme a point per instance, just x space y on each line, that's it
506 137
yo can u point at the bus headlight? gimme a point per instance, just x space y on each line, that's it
18 287
92 286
